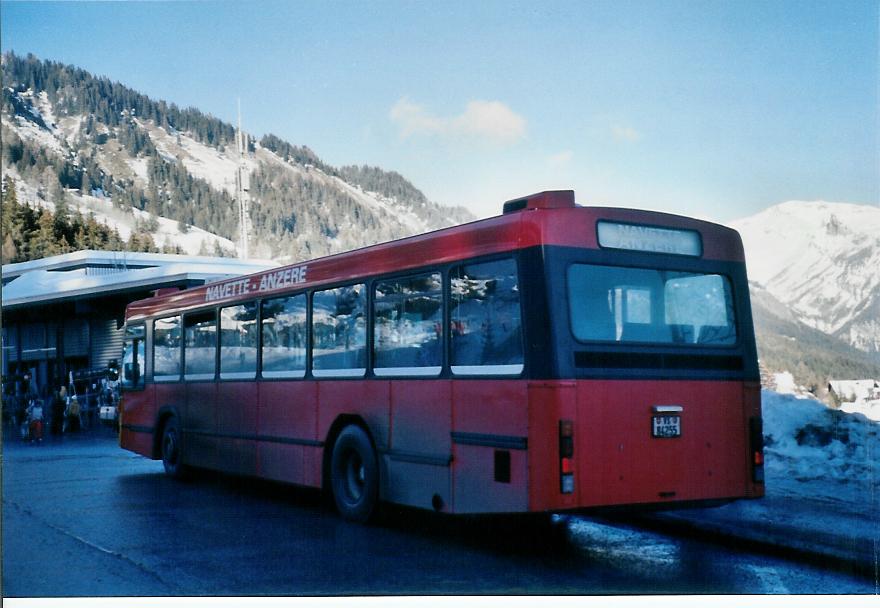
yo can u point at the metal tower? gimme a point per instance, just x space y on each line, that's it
242 187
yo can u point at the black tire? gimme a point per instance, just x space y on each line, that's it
354 475
170 449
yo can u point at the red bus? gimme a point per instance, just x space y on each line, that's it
553 358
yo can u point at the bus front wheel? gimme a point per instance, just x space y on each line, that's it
354 475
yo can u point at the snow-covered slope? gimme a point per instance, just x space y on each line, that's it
300 207
194 242
822 260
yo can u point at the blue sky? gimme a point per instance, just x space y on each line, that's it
714 109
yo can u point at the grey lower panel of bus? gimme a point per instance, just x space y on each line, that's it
266 438
419 458
507 442
425 480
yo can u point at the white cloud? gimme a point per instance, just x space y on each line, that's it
625 133
413 119
489 120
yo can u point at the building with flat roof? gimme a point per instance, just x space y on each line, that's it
65 313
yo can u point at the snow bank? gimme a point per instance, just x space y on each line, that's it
785 384
867 408
807 441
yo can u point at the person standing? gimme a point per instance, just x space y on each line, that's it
35 420
59 402
71 418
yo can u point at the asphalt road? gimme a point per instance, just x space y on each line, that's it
81 517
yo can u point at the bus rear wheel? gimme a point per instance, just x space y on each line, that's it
171 452
354 475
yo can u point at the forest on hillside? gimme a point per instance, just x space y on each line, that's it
30 233
295 217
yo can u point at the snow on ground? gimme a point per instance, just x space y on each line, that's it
822 471
807 441
219 169
168 232
41 102
31 131
202 161
785 383
139 167
69 126
384 205
822 495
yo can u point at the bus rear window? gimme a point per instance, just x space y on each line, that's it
642 305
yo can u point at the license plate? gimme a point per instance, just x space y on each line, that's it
666 426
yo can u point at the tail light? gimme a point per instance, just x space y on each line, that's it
756 448
566 456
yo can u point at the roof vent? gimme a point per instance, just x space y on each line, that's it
549 199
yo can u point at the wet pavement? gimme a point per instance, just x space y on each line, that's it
81 517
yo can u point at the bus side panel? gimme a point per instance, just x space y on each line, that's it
490 441
549 403
420 446
368 399
619 462
138 420
200 425
237 426
288 414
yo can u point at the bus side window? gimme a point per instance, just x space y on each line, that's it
238 341
485 320
166 349
339 332
133 358
408 322
200 346
284 333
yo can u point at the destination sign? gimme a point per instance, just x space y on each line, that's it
636 237
277 279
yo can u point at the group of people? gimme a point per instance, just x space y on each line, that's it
63 410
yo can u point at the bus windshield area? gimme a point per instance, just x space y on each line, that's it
644 305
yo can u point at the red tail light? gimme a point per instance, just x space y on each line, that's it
566 456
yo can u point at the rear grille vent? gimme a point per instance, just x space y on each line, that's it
594 360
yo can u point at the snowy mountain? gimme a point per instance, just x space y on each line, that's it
141 165
821 260
786 344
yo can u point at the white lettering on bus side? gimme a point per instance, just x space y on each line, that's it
273 280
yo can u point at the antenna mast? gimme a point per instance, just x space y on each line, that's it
241 191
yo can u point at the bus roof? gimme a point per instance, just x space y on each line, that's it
543 219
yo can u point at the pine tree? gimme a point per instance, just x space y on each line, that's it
62 210
43 242
9 253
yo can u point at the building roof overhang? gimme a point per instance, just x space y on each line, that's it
71 276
